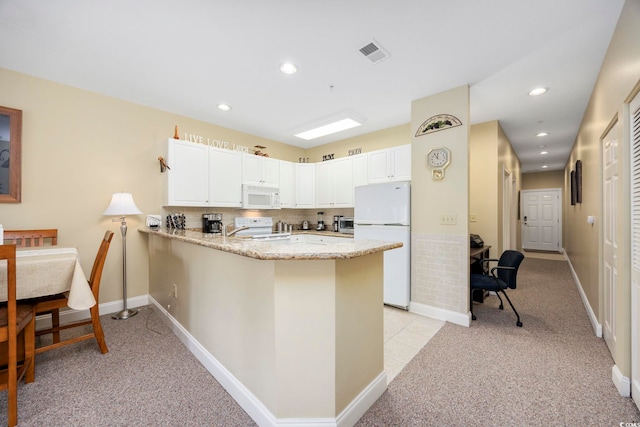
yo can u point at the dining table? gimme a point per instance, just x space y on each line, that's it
49 270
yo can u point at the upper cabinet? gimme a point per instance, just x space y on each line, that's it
204 176
225 177
334 183
390 164
200 175
305 185
360 170
260 170
187 178
287 184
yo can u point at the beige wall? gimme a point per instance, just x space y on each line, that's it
440 253
508 169
490 155
483 183
617 81
78 148
542 180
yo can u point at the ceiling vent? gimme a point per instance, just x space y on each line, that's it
373 52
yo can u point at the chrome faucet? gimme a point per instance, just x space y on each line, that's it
234 231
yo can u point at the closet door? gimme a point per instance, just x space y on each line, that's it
635 249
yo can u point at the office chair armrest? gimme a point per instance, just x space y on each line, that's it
487 260
500 267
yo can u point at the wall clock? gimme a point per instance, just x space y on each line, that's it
437 160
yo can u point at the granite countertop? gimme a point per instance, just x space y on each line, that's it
279 249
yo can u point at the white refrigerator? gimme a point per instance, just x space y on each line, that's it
383 212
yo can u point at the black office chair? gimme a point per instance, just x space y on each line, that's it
499 278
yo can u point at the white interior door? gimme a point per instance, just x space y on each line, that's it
635 249
541 219
610 185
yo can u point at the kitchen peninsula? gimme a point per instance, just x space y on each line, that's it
292 329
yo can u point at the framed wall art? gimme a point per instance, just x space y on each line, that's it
10 155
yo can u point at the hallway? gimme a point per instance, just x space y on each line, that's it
552 371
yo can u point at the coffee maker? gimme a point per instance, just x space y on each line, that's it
212 223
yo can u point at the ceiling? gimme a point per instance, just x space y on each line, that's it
188 56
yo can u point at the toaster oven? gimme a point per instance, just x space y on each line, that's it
345 224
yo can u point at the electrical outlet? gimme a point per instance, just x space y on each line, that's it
175 291
473 217
449 219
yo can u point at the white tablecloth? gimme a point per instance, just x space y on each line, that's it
49 271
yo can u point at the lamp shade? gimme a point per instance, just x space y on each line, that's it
122 204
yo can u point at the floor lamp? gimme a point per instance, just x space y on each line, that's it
122 204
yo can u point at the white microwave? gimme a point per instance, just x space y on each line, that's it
258 197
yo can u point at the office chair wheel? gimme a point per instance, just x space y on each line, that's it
519 323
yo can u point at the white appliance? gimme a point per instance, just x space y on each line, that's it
260 228
383 212
258 197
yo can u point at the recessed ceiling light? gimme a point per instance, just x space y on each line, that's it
541 134
289 68
332 124
538 91
224 107
544 152
544 166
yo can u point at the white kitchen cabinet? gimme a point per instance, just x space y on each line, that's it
390 164
260 170
360 172
225 177
187 178
287 184
202 176
334 183
305 185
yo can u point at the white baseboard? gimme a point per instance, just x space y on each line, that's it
67 316
597 326
462 319
622 383
252 405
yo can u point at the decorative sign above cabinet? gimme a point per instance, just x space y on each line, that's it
355 151
326 157
215 143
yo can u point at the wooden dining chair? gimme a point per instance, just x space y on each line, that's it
15 320
52 305
29 238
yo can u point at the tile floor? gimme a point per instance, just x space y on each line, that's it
405 333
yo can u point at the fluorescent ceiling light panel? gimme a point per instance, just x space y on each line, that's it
329 125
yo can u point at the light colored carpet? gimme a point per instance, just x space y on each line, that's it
551 372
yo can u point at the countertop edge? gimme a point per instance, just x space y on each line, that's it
267 251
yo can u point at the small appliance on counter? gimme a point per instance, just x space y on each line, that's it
305 225
345 224
336 223
320 225
154 221
212 223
